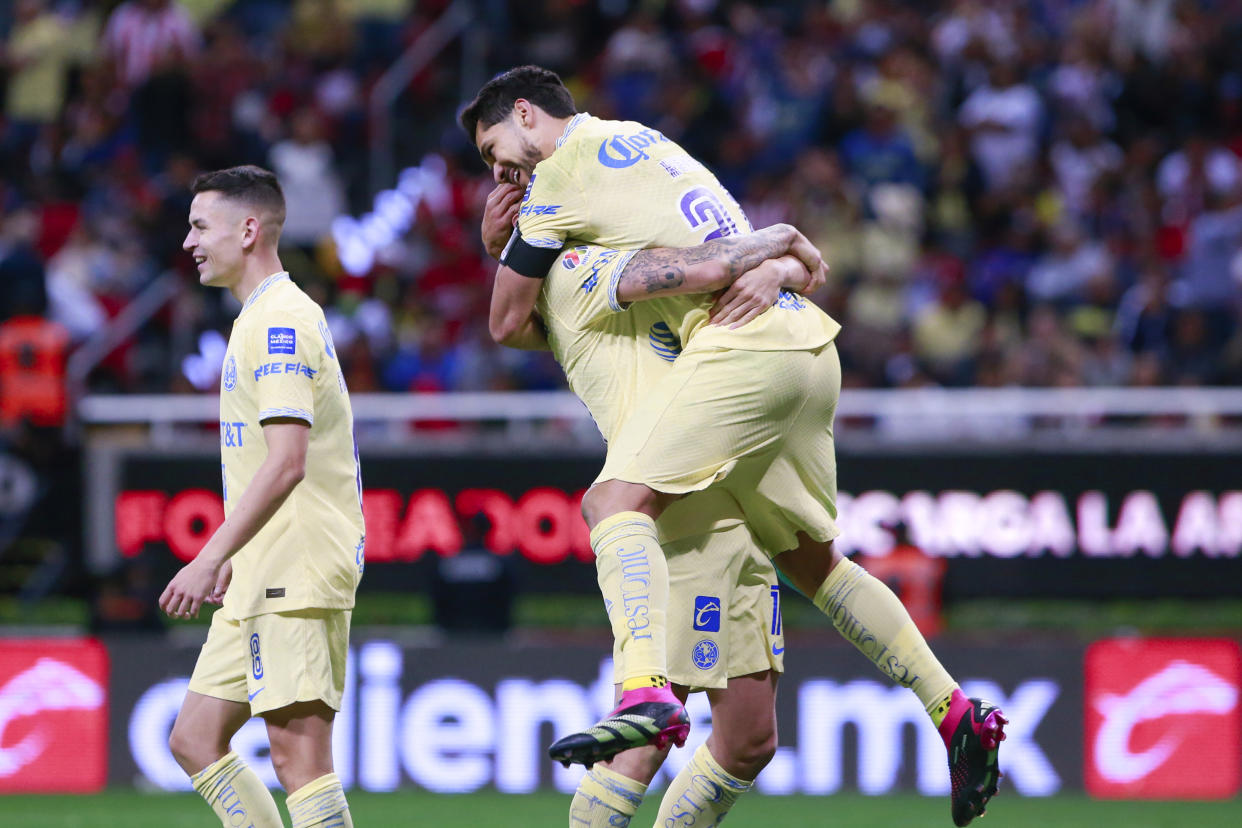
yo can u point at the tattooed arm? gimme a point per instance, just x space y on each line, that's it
717 264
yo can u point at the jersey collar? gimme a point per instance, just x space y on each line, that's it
573 124
263 288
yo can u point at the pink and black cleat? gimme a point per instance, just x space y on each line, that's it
972 731
646 716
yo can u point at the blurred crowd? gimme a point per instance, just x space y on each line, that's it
1009 192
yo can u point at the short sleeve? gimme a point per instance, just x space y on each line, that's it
286 358
590 275
552 209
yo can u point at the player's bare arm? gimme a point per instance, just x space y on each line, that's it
512 319
207 575
718 264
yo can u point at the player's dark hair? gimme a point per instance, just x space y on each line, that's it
251 185
494 103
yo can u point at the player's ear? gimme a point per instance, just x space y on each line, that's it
524 112
250 232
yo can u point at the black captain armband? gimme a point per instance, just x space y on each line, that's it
527 259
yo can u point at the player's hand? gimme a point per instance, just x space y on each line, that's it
186 592
222 584
754 292
499 216
802 249
816 280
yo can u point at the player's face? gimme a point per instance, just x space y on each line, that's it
507 148
215 239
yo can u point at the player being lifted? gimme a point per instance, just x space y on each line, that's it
748 409
287 559
724 622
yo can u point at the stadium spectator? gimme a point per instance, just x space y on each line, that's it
1075 166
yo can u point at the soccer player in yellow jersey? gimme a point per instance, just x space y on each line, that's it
748 408
724 625
287 560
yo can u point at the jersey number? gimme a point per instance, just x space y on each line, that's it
702 209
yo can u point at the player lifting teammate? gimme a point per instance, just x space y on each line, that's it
750 410
286 561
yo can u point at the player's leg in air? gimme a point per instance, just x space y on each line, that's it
867 613
770 444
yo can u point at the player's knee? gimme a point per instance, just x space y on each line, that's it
191 753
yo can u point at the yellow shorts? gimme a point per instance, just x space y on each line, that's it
723 616
758 423
271 661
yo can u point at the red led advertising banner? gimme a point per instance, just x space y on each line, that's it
53 715
1162 719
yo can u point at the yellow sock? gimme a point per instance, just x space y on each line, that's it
235 793
644 681
605 799
633 578
319 804
701 794
870 616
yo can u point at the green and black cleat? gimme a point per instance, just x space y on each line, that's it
633 724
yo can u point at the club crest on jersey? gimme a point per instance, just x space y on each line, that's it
282 341
707 613
230 373
705 654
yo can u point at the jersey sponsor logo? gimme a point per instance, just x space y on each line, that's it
621 151
1155 711
328 346
230 373
539 209
282 341
57 691
256 662
790 301
599 263
703 209
707 613
705 654
284 368
231 434
573 258
666 344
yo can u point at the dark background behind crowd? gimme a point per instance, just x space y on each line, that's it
1038 193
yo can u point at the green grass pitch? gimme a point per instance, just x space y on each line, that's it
127 809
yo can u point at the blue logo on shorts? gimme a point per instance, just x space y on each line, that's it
707 613
705 654
282 341
256 663
230 374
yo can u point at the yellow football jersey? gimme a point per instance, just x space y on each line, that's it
621 185
610 359
281 363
